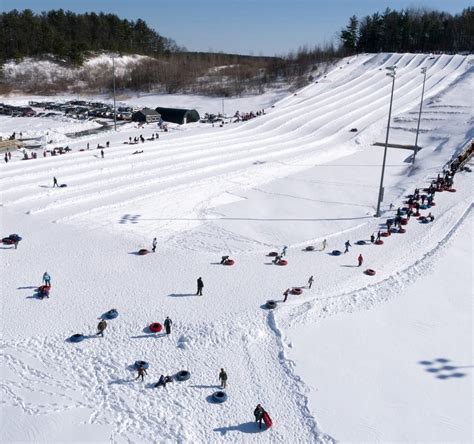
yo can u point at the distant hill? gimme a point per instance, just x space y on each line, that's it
68 36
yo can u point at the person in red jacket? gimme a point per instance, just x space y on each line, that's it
360 259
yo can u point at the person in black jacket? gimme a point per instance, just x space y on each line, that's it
200 286
258 413
168 322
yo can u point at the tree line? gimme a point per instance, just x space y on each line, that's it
68 36
410 30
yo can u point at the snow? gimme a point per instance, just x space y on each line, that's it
323 364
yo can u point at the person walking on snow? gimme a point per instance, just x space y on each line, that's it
101 327
102 153
258 413
141 372
168 323
200 286
310 281
378 236
360 260
283 252
47 279
223 378
347 245
153 245
55 182
286 293
325 243
372 238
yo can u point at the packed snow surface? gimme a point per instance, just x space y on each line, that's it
354 358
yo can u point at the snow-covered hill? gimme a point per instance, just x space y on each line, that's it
294 176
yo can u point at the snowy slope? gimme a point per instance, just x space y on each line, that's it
294 176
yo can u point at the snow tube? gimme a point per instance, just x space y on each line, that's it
63 185
156 327
423 207
451 190
8 241
77 337
296 290
378 242
402 230
386 234
271 304
43 290
183 375
309 248
361 242
433 204
142 252
273 254
15 237
229 262
111 314
143 364
425 220
267 420
336 252
282 262
219 396
417 214
369 272
404 221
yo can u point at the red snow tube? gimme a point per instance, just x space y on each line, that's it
386 234
273 254
156 327
432 204
417 214
229 262
142 252
266 417
402 230
282 262
452 190
296 290
379 242
369 272
404 221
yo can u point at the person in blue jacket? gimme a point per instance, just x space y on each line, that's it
47 279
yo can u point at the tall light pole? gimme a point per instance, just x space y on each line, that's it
392 73
415 151
115 111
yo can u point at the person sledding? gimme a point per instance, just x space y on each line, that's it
101 327
163 381
277 259
258 413
223 259
430 217
360 260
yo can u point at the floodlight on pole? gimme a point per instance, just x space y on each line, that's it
415 150
115 110
393 75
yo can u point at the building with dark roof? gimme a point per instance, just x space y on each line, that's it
177 115
146 115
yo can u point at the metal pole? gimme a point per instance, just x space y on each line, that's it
377 214
415 151
222 106
115 112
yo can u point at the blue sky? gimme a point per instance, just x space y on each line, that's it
257 27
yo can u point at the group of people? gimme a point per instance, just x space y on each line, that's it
247 116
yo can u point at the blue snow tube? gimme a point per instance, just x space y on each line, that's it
183 375
77 337
336 252
423 207
219 396
111 314
361 242
271 304
143 364
425 221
